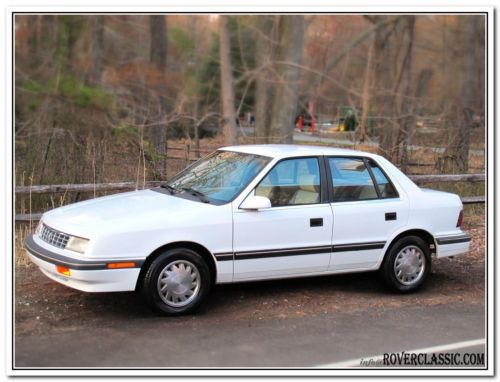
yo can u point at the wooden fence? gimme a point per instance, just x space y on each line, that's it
126 186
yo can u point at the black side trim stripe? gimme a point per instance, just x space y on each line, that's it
299 251
54 258
281 252
224 256
358 247
453 239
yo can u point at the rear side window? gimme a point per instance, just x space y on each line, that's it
353 180
386 188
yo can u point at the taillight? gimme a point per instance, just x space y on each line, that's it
460 218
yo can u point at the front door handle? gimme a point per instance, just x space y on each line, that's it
316 222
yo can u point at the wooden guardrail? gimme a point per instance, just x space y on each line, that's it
123 186
89 187
126 186
423 179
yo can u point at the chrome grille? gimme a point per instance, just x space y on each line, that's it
53 237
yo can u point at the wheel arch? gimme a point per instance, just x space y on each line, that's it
419 232
198 248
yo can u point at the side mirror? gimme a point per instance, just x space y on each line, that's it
255 203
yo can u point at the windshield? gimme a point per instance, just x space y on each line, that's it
219 177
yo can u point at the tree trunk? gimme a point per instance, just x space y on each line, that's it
263 89
196 98
383 79
456 155
96 50
366 94
291 32
227 85
158 49
158 57
407 104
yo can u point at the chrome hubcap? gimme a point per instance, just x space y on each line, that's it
179 283
409 265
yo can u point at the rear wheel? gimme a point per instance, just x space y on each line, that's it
407 264
176 282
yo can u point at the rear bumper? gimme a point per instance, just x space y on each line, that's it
452 245
88 276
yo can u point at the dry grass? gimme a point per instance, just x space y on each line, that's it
21 259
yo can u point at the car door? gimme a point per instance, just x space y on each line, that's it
294 235
367 209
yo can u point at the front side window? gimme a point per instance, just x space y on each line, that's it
219 177
351 180
292 182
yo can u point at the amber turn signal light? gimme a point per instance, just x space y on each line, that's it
120 265
63 270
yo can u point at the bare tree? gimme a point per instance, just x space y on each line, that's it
407 115
158 33
366 93
227 85
462 112
158 58
96 49
393 46
266 41
383 75
291 38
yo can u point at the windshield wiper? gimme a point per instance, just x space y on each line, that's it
171 189
197 193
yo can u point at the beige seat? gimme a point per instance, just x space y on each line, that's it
264 191
307 192
367 192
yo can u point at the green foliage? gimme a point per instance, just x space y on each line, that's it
243 48
71 88
182 43
71 27
125 130
32 86
126 133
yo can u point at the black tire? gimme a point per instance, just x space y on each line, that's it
176 257
405 284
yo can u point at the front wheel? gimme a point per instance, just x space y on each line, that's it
407 264
176 282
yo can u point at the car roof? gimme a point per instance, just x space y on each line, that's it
285 151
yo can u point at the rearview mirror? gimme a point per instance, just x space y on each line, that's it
255 203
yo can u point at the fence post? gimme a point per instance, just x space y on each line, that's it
186 155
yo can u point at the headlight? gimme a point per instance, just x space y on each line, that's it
77 244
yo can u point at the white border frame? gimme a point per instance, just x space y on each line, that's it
279 6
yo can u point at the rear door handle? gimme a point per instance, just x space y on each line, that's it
316 222
390 216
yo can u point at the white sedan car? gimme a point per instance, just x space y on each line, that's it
248 213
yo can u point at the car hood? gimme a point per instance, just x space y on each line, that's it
145 209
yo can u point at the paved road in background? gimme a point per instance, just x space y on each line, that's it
309 138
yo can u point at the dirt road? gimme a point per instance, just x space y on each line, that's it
293 323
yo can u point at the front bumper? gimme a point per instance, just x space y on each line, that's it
88 276
452 245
